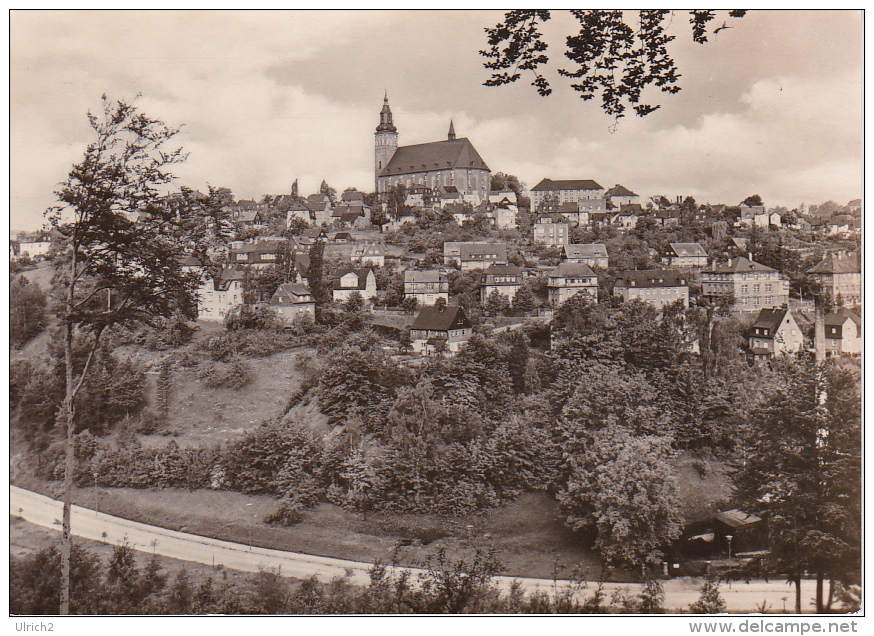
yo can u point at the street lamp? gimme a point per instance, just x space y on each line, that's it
729 538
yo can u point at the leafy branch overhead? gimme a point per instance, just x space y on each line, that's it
612 56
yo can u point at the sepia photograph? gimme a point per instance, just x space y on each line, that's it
436 312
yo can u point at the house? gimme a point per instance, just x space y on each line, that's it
504 216
775 332
260 254
840 275
352 207
314 234
503 197
36 245
342 237
426 286
565 190
569 279
658 287
395 223
469 255
292 300
551 229
301 268
368 254
625 219
298 210
504 279
667 217
617 195
843 333
419 196
351 220
250 218
321 207
738 246
753 286
459 211
593 254
352 195
218 296
686 256
440 329
348 280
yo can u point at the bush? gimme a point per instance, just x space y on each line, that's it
234 375
289 513
249 317
27 311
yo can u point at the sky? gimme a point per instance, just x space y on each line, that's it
772 106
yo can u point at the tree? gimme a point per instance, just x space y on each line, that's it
621 490
27 311
315 279
500 181
328 191
801 472
113 270
163 390
496 303
615 59
523 301
753 201
710 601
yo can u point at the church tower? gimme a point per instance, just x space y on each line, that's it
451 135
386 141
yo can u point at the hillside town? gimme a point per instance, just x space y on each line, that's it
452 344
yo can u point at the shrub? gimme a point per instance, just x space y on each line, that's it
234 375
289 513
249 317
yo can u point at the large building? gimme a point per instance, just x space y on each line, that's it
840 275
658 287
753 286
565 190
453 162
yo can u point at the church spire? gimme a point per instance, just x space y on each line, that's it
385 118
451 136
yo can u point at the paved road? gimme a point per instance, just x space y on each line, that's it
90 524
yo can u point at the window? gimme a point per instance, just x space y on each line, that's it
768 288
755 289
743 289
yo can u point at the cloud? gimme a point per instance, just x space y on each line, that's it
267 97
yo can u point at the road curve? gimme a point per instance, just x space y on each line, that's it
97 526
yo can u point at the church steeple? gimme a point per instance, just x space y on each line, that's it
385 139
451 136
385 119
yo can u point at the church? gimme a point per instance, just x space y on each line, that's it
450 163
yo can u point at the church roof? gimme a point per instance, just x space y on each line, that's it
437 155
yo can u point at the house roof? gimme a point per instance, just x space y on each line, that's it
368 250
342 236
248 215
769 320
289 293
348 208
652 278
619 191
740 265
567 269
547 185
840 316
469 251
569 207
688 249
635 208
736 518
837 264
740 243
423 276
436 155
353 195
348 217
552 217
361 272
434 318
585 250
502 270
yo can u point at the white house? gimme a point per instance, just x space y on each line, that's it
775 332
843 333
292 300
217 297
368 254
349 280
570 279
